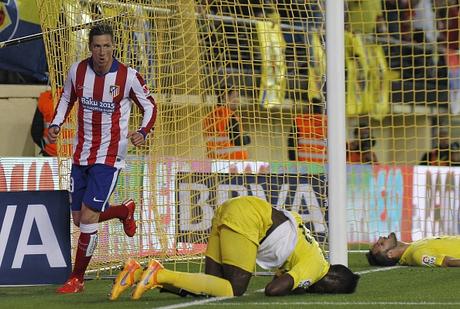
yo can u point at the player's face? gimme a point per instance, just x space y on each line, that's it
383 244
102 52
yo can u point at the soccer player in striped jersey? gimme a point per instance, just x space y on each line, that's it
105 90
247 230
441 251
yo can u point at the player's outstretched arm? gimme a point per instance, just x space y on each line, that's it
450 262
280 286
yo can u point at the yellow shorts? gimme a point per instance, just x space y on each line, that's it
226 246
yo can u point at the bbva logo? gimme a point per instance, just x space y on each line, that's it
36 219
34 237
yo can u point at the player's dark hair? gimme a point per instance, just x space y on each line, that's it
380 259
100 29
338 280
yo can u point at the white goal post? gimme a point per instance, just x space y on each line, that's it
335 105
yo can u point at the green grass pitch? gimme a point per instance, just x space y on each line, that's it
408 287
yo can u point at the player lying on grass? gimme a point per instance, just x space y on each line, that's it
443 251
246 230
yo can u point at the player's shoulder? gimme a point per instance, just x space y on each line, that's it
297 217
74 66
133 74
131 71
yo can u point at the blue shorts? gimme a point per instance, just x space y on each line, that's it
92 185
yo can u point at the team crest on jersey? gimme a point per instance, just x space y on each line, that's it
428 260
304 284
114 90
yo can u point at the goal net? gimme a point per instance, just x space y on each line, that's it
265 63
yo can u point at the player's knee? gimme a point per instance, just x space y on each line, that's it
270 291
213 268
238 290
238 278
239 287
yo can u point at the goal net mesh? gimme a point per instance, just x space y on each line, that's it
264 64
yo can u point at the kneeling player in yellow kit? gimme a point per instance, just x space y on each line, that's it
442 251
245 231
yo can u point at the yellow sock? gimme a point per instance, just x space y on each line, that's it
196 283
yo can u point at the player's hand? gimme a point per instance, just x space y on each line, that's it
136 138
53 133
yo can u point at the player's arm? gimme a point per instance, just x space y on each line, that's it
280 285
64 106
450 262
140 94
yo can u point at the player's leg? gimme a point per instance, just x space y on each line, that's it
124 212
156 275
213 259
78 184
211 267
167 288
114 211
209 283
76 217
87 242
237 256
238 259
129 275
101 181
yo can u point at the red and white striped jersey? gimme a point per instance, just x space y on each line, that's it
103 111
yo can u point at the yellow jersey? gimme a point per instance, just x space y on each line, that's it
307 263
251 217
431 251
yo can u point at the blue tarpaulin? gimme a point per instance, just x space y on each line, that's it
19 18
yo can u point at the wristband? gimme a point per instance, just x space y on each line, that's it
141 131
54 126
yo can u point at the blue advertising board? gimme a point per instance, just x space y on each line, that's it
34 237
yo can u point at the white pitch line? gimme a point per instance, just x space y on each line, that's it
377 270
195 303
217 299
336 303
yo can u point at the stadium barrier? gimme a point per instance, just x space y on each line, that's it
34 237
413 201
